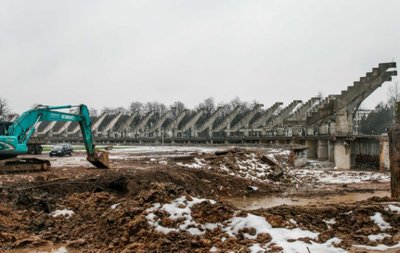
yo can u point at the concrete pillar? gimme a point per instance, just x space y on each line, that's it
322 152
384 161
394 151
344 122
342 153
312 149
331 151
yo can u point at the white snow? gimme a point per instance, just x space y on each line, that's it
115 206
380 247
285 238
213 249
330 222
61 250
64 212
378 237
297 107
197 164
378 219
256 248
163 162
394 208
180 208
290 240
254 188
329 176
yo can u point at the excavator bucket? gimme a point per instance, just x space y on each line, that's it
99 160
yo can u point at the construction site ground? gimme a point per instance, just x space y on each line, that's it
197 199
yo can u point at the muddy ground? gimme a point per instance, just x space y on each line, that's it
183 200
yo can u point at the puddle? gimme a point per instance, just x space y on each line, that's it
271 201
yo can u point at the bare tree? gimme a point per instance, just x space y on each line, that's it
237 102
393 93
208 105
178 107
93 112
156 107
136 107
107 109
4 109
120 110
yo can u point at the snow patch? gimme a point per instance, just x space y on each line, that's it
61 250
378 237
378 219
197 164
288 239
256 248
394 208
380 247
213 249
64 212
180 209
115 206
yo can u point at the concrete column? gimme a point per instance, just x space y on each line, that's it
322 152
384 161
331 151
344 122
312 149
342 153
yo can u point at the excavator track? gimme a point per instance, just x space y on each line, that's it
23 165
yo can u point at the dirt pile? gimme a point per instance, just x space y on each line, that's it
165 218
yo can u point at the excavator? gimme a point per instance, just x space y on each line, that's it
14 138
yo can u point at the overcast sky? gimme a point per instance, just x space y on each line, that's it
110 53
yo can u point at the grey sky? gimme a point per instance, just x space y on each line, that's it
110 53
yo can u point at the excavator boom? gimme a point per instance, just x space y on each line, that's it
14 141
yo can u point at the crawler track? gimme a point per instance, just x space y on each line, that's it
22 165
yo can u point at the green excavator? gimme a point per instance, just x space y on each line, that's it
14 138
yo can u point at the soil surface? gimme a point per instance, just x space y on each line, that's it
181 200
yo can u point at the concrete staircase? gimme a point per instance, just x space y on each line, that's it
111 124
226 123
125 125
142 123
245 121
157 126
210 122
284 114
263 119
301 113
351 98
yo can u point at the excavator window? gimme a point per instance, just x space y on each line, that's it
4 125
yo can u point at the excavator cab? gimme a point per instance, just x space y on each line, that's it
4 125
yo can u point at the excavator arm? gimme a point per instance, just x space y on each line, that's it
18 134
